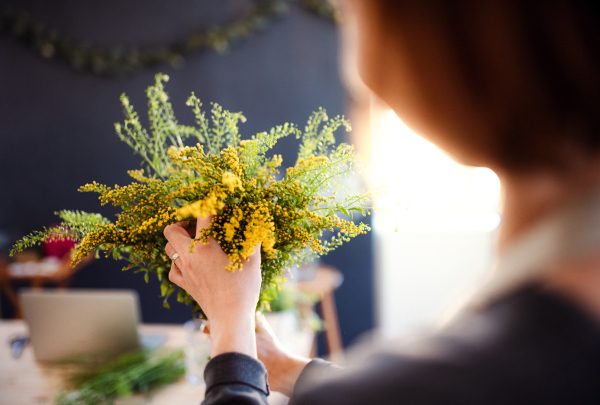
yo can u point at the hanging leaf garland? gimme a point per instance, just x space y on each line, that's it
119 60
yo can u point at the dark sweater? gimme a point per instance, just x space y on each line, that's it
529 347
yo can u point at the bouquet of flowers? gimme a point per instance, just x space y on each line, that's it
295 217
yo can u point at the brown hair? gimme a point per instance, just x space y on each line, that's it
531 67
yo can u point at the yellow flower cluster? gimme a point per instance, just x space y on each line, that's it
259 230
231 159
158 222
306 166
209 205
231 181
233 225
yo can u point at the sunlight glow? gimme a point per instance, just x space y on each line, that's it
429 190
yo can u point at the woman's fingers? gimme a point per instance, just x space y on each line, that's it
178 237
202 223
262 325
170 250
191 228
176 276
171 253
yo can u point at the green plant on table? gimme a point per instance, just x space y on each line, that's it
137 372
295 216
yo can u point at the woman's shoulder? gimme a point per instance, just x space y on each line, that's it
530 321
527 347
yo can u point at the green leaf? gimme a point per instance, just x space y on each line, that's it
164 287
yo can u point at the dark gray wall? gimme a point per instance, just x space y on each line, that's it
56 129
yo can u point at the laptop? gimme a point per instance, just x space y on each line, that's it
64 324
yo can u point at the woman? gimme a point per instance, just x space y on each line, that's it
508 84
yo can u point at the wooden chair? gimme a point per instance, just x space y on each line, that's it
327 280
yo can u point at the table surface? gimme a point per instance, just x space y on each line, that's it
23 381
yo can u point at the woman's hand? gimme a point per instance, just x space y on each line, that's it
228 298
283 368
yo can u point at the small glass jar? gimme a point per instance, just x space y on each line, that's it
197 351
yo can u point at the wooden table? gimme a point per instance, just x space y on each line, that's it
23 381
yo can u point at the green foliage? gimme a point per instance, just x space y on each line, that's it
316 139
284 298
132 373
75 225
295 217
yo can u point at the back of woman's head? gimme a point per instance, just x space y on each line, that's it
528 70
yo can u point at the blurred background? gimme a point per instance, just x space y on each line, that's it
280 63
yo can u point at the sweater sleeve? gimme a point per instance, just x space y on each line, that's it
234 378
315 370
